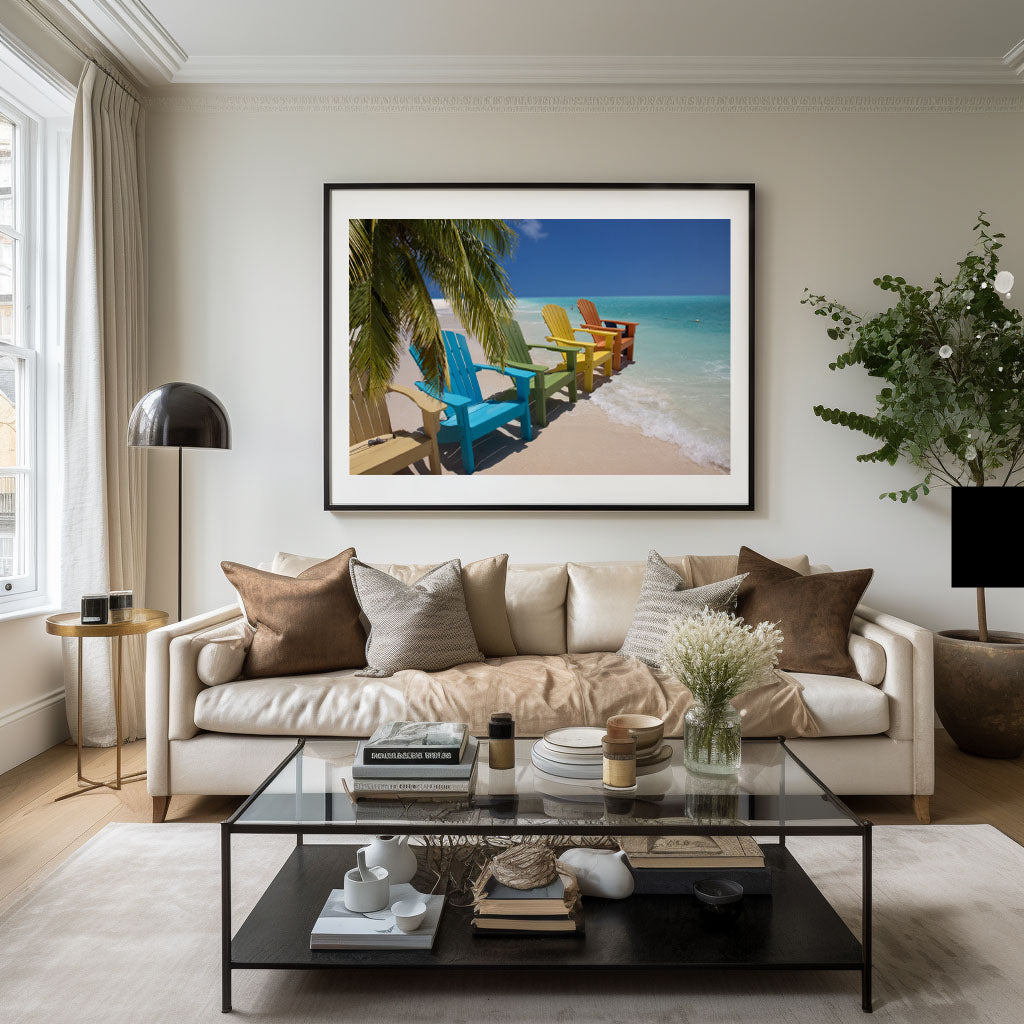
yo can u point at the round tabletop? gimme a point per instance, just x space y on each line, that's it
142 620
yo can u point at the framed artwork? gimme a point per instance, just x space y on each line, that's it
538 346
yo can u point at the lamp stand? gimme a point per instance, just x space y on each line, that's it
179 534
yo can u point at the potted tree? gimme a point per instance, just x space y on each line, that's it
952 360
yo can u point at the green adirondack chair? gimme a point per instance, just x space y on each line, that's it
547 379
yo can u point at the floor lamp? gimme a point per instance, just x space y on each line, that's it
179 416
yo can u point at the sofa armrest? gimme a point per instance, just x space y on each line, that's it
172 686
909 684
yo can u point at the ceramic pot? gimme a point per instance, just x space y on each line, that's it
394 855
366 897
600 872
979 691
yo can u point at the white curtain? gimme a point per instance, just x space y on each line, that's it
105 373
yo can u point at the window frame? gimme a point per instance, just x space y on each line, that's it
41 160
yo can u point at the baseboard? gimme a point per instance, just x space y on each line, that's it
31 727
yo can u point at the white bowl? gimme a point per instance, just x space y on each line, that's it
409 914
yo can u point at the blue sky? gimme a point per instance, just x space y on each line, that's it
620 257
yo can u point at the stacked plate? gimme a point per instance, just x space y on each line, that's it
575 753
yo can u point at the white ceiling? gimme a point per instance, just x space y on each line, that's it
537 41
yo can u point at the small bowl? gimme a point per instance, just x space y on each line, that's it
409 914
648 730
717 892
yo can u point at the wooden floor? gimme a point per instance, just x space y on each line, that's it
36 834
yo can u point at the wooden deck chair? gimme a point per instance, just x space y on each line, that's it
563 334
547 380
625 328
469 415
374 447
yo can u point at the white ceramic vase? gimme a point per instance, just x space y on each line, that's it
600 872
394 855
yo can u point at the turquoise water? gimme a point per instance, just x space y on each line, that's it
678 388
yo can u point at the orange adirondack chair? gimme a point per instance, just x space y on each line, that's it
626 328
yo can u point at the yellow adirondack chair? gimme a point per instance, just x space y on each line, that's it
563 334
374 447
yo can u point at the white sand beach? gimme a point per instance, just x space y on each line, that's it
579 439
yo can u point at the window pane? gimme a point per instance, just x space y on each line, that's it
6 172
8 255
13 522
9 411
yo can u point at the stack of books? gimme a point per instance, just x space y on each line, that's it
416 761
671 864
553 909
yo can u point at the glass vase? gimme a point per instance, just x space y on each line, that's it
711 740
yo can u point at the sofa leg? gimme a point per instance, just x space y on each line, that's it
160 805
922 809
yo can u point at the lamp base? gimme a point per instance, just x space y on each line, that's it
979 691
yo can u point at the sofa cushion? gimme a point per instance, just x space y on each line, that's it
306 624
814 612
665 597
868 658
542 693
602 595
535 599
844 707
421 625
483 583
220 657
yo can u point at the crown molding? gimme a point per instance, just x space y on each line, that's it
1014 60
584 71
129 31
219 101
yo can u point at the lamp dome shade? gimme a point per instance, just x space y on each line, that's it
179 415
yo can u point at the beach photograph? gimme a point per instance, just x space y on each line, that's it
646 302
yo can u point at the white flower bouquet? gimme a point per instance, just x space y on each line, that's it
717 656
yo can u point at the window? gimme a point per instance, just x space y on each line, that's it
18 462
34 135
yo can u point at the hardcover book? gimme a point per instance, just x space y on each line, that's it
340 928
454 771
417 743
692 851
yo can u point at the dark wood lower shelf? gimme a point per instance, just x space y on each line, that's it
794 928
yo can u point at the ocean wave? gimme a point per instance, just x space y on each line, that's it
649 410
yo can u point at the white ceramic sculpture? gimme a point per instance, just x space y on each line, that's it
394 855
600 872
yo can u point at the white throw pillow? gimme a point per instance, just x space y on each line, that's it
221 658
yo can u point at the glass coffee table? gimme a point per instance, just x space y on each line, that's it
774 795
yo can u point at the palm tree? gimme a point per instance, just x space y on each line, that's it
388 263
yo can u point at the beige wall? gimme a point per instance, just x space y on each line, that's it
235 233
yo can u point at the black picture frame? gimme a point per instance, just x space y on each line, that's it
747 505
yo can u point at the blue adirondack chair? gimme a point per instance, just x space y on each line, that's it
469 416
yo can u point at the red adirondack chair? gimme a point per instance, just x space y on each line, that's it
626 332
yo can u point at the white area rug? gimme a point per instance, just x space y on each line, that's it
127 930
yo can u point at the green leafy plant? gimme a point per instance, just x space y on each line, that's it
389 299
952 358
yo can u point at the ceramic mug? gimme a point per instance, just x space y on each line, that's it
366 897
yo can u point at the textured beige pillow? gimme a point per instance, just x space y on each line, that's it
483 583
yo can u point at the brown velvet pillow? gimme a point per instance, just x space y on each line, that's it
309 623
814 612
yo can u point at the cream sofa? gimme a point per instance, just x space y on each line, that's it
876 732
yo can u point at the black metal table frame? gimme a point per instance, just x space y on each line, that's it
857 827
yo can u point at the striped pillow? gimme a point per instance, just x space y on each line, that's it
664 597
424 626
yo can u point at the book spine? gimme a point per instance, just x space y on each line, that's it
361 786
410 755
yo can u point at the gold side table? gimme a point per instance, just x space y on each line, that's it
143 620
